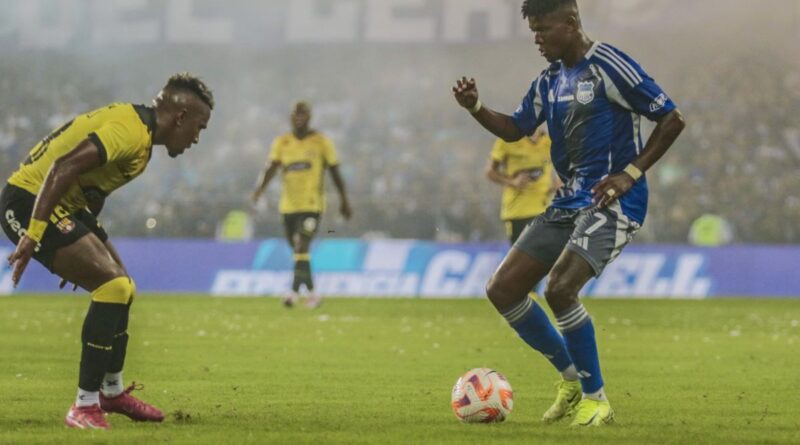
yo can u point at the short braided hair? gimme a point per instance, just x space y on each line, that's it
187 82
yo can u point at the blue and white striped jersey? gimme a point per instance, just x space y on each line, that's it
593 113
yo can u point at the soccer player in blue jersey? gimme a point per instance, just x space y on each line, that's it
591 97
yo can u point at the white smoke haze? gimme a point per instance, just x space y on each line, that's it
378 73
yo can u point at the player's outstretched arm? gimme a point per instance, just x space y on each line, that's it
501 125
65 171
344 203
667 129
264 179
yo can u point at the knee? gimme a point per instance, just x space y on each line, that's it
560 294
119 290
497 292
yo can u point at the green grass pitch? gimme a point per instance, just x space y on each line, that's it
379 371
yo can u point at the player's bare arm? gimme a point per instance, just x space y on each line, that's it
495 174
64 172
263 181
501 125
667 129
344 203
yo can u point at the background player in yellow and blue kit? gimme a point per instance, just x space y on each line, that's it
524 170
50 206
302 155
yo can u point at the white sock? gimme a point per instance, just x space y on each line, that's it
598 395
87 398
112 384
570 374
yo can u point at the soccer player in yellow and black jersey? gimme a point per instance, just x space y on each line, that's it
302 155
50 206
524 170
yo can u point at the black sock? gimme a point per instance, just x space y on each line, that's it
302 275
99 327
120 345
308 280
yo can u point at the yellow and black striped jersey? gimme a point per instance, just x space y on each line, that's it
303 164
528 157
123 135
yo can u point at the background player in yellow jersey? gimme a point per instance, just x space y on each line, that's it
302 155
524 170
49 210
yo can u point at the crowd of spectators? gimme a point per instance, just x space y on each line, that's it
412 160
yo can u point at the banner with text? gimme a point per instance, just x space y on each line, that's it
389 268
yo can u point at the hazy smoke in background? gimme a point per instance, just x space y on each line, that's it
379 73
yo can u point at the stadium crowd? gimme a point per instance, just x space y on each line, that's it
413 161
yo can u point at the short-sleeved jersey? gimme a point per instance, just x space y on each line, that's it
303 164
533 159
593 113
122 133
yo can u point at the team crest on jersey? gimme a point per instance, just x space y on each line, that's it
658 103
66 225
585 92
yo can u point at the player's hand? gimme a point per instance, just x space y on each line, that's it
64 283
521 180
611 188
466 92
20 258
346 210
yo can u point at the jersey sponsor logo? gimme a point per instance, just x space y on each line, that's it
66 225
13 222
16 226
658 103
585 92
534 173
298 166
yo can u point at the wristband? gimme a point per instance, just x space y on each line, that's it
477 107
36 230
633 171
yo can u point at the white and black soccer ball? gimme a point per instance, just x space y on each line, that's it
482 395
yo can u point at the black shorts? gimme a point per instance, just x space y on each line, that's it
304 223
17 207
514 227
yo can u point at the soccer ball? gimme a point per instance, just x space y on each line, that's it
482 395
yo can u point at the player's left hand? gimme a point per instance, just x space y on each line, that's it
611 188
20 258
346 210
